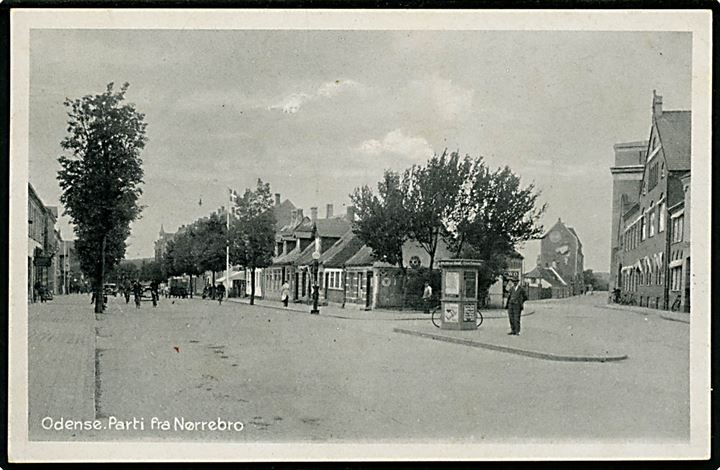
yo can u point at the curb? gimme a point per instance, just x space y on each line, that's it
643 311
679 320
506 349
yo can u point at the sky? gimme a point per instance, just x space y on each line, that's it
318 113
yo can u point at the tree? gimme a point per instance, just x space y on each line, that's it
151 271
100 178
209 250
181 255
495 215
124 271
252 235
434 191
383 220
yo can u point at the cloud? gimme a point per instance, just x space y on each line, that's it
451 101
397 143
292 103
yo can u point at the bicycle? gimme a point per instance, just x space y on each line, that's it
676 305
478 319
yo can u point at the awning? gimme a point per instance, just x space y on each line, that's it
236 276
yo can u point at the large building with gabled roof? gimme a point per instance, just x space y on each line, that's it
650 252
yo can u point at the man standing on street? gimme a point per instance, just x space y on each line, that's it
427 297
220 293
516 299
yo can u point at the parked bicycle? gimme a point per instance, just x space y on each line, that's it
676 304
436 321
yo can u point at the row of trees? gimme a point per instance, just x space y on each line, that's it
475 211
201 246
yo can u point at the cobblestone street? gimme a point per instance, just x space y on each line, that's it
290 376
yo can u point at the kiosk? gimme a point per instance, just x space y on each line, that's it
459 295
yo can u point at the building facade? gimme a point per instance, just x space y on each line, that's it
43 245
561 249
651 251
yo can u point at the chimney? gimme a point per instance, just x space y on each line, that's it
293 216
657 104
300 215
350 216
329 211
277 199
313 213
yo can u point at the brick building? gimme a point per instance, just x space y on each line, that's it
650 251
561 249
43 245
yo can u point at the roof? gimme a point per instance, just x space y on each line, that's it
305 257
343 249
335 227
547 274
674 130
363 257
288 258
282 213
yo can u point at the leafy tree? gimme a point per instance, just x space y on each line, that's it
181 255
383 220
211 234
100 177
252 235
151 271
434 192
124 271
494 216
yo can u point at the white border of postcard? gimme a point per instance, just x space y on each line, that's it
697 22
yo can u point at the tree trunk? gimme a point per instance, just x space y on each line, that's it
212 290
252 286
192 288
100 288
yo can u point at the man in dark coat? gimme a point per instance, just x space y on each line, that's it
516 299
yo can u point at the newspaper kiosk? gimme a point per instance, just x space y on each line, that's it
459 294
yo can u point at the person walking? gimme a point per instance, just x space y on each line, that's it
220 293
427 296
515 301
137 292
285 294
127 290
155 292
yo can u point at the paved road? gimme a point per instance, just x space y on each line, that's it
290 376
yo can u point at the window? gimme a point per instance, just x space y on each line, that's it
653 177
652 221
643 230
334 279
677 229
662 210
662 170
675 276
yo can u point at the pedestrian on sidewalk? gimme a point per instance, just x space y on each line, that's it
285 295
220 292
516 299
427 296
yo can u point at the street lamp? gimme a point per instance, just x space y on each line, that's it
316 288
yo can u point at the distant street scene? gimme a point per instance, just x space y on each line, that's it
329 236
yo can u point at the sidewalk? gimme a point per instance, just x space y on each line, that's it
61 363
664 314
354 313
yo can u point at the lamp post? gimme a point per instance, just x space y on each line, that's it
316 288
